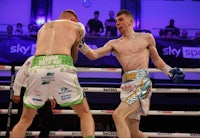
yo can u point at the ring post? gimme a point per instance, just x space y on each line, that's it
10 102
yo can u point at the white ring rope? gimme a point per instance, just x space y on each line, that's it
111 134
109 112
117 90
88 69
80 69
154 90
184 70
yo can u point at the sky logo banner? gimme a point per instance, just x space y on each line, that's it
14 50
191 52
179 53
172 51
25 50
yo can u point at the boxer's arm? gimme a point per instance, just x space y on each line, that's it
21 80
97 53
21 77
175 74
18 83
86 50
156 59
74 51
80 35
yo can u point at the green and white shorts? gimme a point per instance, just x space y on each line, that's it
56 76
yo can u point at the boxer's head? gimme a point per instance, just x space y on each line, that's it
69 15
124 20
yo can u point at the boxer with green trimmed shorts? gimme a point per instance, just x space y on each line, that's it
52 73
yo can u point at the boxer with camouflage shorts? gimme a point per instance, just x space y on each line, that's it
133 51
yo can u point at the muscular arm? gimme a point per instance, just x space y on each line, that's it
95 54
80 36
21 79
175 74
156 59
74 52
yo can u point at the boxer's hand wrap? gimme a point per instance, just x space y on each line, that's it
83 47
176 75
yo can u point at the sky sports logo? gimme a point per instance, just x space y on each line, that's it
191 52
18 48
188 52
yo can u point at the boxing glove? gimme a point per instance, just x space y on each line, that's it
176 75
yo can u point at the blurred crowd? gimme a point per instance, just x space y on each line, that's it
95 27
171 31
19 30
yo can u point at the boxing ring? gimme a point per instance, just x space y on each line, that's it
114 73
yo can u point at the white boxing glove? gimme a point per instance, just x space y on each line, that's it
81 28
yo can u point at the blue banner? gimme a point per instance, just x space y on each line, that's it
14 50
184 53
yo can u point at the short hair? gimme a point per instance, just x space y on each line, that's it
19 24
126 12
171 21
71 12
10 26
96 12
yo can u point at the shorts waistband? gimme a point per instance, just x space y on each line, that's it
52 60
134 74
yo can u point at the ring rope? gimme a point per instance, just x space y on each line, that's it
80 69
184 70
109 112
111 133
88 69
117 90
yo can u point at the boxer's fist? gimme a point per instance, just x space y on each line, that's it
16 99
176 75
